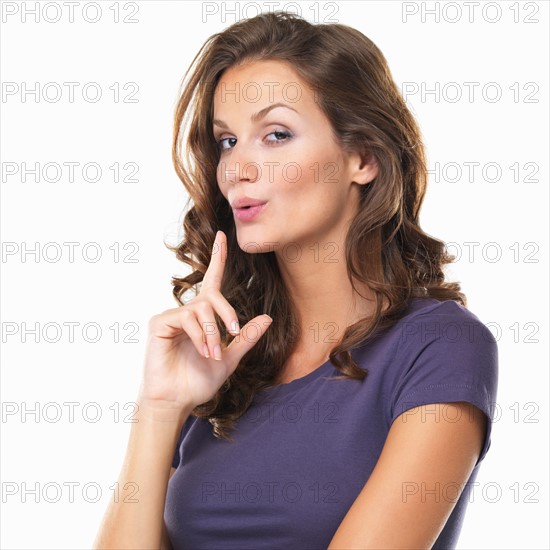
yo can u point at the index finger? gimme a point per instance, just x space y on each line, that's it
214 272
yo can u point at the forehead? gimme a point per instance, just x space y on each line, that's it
259 83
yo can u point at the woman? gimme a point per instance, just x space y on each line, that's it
324 387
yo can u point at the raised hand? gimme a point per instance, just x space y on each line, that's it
176 372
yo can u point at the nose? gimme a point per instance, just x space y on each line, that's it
240 167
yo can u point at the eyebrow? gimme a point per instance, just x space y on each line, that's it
256 116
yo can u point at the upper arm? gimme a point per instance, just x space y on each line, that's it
165 543
423 467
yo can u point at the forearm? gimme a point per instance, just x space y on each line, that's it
146 467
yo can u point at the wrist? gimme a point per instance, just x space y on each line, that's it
162 411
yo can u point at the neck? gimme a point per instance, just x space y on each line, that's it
325 302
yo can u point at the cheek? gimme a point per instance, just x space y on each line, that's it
319 172
301 191
222 185
298 169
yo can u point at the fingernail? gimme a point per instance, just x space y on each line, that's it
205 350
268 316
235 326
217 352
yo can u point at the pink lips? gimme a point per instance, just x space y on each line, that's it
247 214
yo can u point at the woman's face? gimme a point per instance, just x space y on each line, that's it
276 146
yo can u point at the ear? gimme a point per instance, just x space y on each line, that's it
363 167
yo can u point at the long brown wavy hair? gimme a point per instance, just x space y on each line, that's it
385 248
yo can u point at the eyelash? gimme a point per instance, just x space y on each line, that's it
285 133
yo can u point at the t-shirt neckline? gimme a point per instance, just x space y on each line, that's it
284 389
297 383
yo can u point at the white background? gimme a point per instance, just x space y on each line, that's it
505 45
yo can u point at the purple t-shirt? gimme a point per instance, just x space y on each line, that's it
304 450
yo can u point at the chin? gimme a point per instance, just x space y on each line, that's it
252 241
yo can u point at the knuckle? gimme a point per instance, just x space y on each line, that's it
203 307
187 313
154 322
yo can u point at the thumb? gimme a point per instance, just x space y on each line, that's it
247 338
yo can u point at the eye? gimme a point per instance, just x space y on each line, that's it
219 143
279 133
281 137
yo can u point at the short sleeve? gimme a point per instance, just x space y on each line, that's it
447 355
185 428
